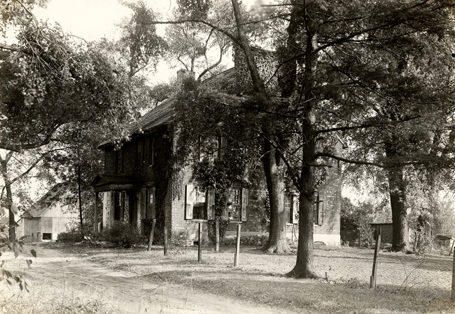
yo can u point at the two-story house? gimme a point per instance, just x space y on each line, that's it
139 184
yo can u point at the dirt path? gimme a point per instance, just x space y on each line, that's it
125 291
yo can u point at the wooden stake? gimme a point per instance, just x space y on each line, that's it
152 232
375 260
217 235
199 244
237 248
165 241
452 298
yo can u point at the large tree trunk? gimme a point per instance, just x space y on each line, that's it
12 220
9 196
79 194
397 190
277 242
304 267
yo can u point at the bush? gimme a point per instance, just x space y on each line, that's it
66 237
122 234
212 229
254 240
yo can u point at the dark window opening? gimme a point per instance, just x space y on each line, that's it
47 236
200 203
119 160
139 155
151 159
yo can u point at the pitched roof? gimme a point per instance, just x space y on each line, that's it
163 112
159 115
53 196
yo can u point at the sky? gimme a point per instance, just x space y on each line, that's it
92 19
95 19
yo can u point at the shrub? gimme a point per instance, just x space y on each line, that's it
254 240
212 229
122 234
69 237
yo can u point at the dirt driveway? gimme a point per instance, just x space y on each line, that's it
126 292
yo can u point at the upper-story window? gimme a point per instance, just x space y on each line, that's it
139 154
145 152
210 148
118 160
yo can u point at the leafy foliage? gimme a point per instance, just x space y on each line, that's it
140 43
15 246
122 234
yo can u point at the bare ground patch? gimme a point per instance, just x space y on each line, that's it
406 283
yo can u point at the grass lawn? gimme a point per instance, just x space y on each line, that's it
406 283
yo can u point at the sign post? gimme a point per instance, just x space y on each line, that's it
237 247
199 243
375 260
217 235
452 298
152 232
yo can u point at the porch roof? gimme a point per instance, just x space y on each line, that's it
112 183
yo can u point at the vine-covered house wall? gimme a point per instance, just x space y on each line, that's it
140 183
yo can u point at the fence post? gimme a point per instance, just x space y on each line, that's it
375 260
199 243
237 247
165 241
452 298
217 235
152 232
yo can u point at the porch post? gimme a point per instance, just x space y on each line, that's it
95 213
108 210
139 211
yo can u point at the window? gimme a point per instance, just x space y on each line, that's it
291 205
237 203
145 160
199 203
318 210
151 159
209 148
145 152
47 236
139 155
118 160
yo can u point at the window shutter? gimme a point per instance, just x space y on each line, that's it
294 209
143 200
211 204
244 203
189 200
